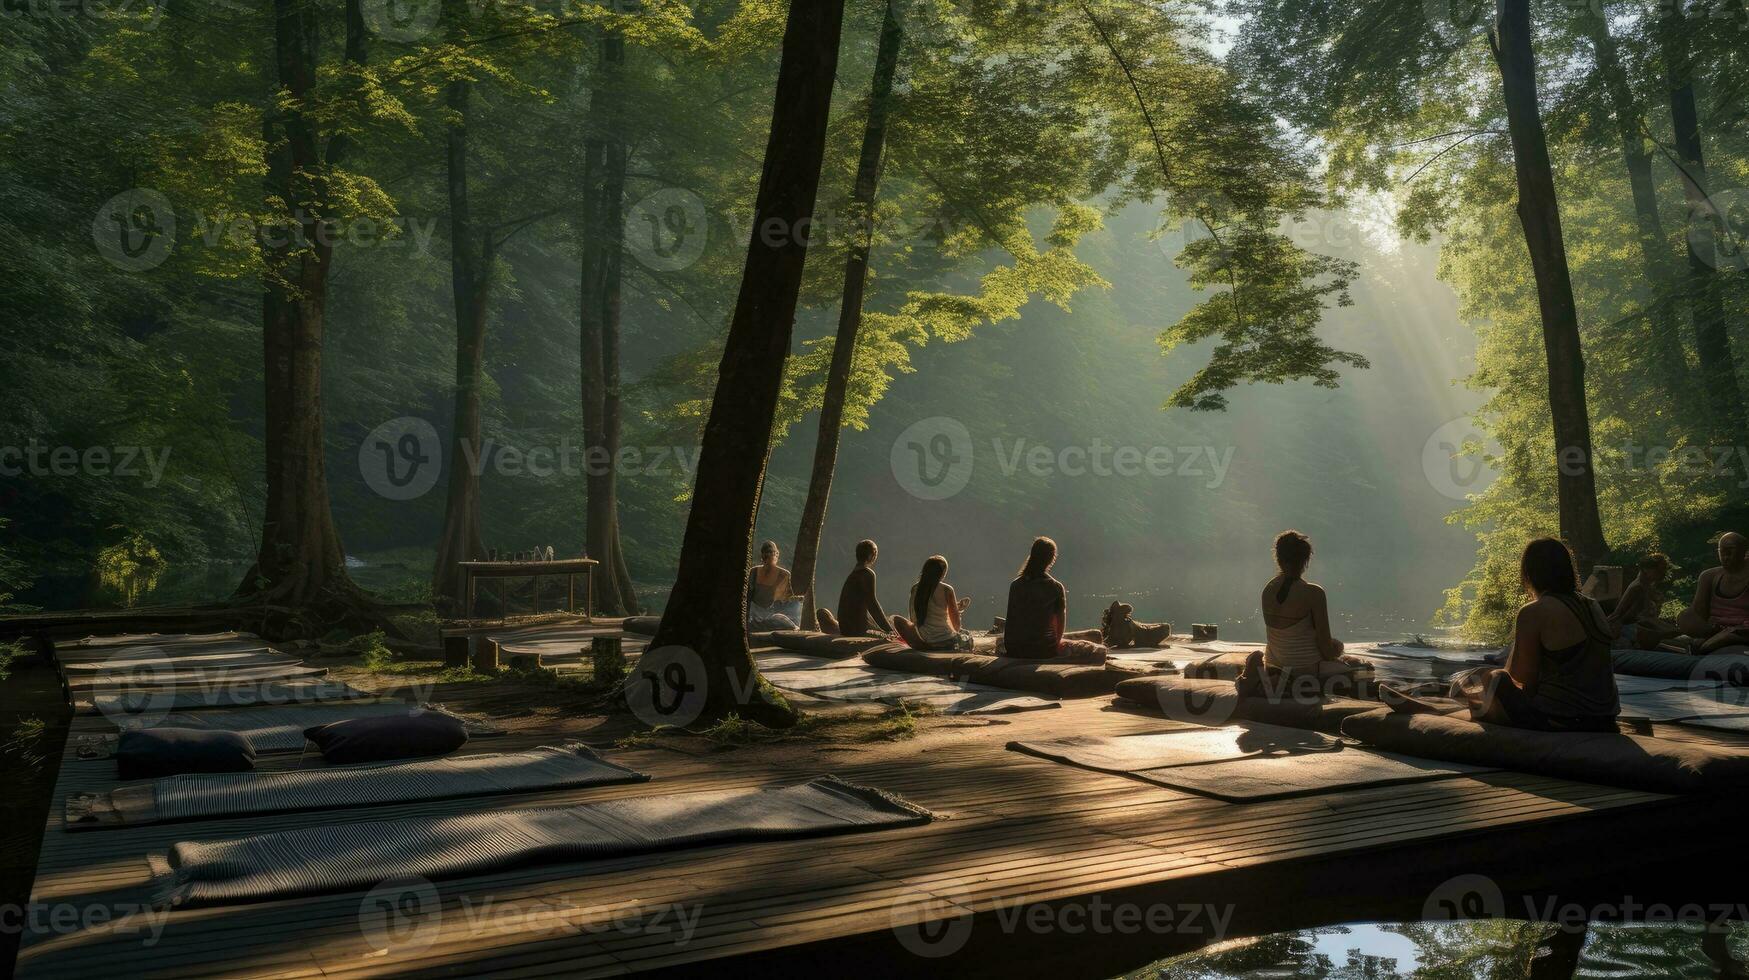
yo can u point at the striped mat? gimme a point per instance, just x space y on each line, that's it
205 795
280 728
360 856
238 695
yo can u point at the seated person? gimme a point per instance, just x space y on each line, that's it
1558 676
1038 610
937 626
1119 629
771 605
1296 613
1635 621
859 609
1719 615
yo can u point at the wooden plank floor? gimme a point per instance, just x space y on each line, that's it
1015 833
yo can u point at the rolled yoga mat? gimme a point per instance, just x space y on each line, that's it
202 796
359 856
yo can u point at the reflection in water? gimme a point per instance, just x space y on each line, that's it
1483 950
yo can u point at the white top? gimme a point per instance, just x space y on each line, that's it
935 627
1293 647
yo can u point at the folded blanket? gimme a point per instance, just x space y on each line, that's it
1202 701
1633 761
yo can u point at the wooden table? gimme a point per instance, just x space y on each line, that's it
568 567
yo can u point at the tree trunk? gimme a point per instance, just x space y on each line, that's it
599 333
1557 957
868 178
707 609
1655 254
1712 336
301 561
1540 213
470 261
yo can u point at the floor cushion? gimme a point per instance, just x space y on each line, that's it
150 753
413 735
1633 761
1205 701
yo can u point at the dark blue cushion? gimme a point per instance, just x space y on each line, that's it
417 733
154 752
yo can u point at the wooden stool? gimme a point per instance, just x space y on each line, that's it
455 650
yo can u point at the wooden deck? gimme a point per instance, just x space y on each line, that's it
1023 858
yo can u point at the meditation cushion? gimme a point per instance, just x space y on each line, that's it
1637 762
825 644
1346 677
153 752
415 734
1727 666
641 625
1044 677
1205 701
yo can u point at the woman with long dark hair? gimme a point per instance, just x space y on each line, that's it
937 610
1559 675
1038 614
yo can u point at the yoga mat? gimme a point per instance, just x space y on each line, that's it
145 680
277 728
838 682
145 662
92 643
1242 763
1188 747
557 644
1670 705
358 856
206 795
224 696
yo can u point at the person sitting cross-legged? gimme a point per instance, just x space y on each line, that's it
1719 615
859 608
937 626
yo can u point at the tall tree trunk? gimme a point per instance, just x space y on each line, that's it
1557 957
301 561
1540 212
470 262
868 179
1655 255
707 609
1712 336
599 332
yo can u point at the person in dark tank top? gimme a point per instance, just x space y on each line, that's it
1559 675
1038 614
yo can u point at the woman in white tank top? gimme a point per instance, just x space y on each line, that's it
1296 612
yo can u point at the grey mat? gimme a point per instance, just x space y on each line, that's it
145 661
269 728
224 696
557 644
122 640
1670 705
358 856
232 794
837 681
1187 747
1242 767
106 683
